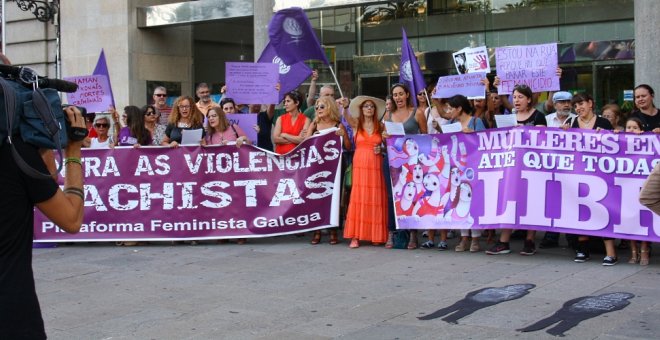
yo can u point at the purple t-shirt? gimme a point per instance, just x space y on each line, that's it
126 139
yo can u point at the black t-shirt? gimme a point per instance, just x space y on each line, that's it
536 118
20 315
174 133
265 127
648 122
600 123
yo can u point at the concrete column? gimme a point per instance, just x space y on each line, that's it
263 11
647 44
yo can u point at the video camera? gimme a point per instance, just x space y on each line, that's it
30 107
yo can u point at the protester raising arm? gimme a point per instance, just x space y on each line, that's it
65 208
312 88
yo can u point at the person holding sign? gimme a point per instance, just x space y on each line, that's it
135 133
414 122
289 127
460 112
327 117
525 115
367 216
151 122
185 116
646 110
102 125
587 119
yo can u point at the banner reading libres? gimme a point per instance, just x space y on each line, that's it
576 181
205 192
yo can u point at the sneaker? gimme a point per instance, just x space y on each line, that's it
581 257
428 245
499 248
425 234
474 246
610 261
462 246
529 248
442 245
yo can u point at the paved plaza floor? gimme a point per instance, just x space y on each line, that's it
285 288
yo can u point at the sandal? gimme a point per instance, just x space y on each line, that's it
644 259
634 257
412 244
317 237
354 244
390 243
333 237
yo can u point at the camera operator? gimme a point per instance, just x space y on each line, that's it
20 315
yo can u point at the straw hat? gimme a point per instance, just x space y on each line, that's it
354 107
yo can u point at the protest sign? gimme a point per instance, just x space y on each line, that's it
246 121
213 192
471 60
93 93
531 65
252 83
578 181
468 85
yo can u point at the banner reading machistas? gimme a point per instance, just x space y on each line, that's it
205 192
577 181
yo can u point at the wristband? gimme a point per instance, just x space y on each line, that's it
72 160
75 191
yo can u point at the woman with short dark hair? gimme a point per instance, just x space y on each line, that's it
289 127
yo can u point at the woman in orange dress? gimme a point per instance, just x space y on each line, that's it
366 219
289 127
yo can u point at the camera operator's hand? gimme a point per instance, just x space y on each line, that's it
75 118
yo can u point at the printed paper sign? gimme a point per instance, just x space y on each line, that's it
252 83
246 121
93 93
469 85
531 65
471 60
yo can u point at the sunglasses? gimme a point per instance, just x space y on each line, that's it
320 107
101 125
160 95
150 113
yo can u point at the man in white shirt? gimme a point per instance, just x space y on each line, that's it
562 102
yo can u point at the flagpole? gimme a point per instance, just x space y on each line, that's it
428 100
336 82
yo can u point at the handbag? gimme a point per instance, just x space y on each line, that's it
37 116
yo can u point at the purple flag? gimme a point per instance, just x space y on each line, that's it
290 75
293 38
409 71
102 69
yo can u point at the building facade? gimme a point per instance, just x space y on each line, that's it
605 46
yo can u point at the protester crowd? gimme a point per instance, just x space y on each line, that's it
367 210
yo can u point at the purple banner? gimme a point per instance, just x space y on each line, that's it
246 121
93 93
155 193
252 83
531 65
578 181
469 85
